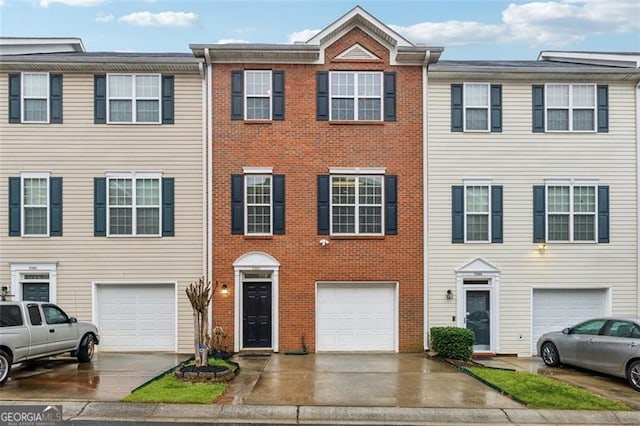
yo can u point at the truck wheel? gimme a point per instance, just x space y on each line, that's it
87 348
5 367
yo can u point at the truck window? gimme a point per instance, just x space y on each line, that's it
10 316
34 315
54 315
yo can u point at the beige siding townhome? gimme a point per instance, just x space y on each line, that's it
102 186
532 195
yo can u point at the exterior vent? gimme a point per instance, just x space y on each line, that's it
356 52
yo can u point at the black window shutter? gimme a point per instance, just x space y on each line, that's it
237 95
168 104
323 205
457 109
55 206
100 99
603 214
457 214
496 108
278 95
539 214
322 96
237 204
15 112
278 204
100 207
603 109
496 214
391 205
389 96
14 207
55 98
537 96
168 207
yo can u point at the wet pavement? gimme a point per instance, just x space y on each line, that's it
364 380
108 377
614 388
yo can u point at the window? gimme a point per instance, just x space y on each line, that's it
133 98
619 328
258 204
35 99
35 204
34 314
10 316
133 204
571 107
258 95
591 327
356 205
476 106
54 315
356 95
477 213
571 212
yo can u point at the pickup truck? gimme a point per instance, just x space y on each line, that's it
32 330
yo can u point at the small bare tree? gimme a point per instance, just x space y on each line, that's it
199 294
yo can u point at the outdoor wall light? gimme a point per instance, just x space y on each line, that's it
449 294
224 289
542 248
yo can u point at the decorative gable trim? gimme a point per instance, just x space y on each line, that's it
478 265
357 53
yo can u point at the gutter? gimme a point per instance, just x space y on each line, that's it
425 194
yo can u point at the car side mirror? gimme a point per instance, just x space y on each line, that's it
566 330
72 320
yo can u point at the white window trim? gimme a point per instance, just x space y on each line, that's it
133 176
23 97
464 108
571 183
468 183
357 206
357 170
18 269
356 96
246 205
246 95
34 175
133 98
257 170
570 108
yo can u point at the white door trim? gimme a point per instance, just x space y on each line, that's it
18 269
252 262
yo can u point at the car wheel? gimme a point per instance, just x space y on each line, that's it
633 374
5 367
550 354
87 348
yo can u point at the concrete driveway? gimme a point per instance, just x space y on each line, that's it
610 387
362 380
108 377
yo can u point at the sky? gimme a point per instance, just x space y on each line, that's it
467 29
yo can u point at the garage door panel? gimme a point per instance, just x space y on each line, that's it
356 317
136 317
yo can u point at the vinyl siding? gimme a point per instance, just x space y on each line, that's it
79 150
519 159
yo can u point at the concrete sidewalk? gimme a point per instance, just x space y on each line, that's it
82 413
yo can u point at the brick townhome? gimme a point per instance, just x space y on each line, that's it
317 189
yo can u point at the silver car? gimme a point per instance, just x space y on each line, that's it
606 345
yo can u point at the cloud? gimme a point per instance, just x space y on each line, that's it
231 41
303 35
551 23
82 3
103 17
167 19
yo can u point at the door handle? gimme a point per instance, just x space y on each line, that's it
52 330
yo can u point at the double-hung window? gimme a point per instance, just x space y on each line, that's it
133 98
571 107
258 204
477 212
571 212
356 96
133 204
35 204
35 99
258 95
476 106
357 204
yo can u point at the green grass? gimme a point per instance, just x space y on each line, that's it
171 390
542 392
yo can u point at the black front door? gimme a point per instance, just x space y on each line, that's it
256 320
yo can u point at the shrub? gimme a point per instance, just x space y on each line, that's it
452 342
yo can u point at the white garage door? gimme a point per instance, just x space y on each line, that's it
356 317
557 309
136 317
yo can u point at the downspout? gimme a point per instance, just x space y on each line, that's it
209 160
203 101
638 197
425 209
